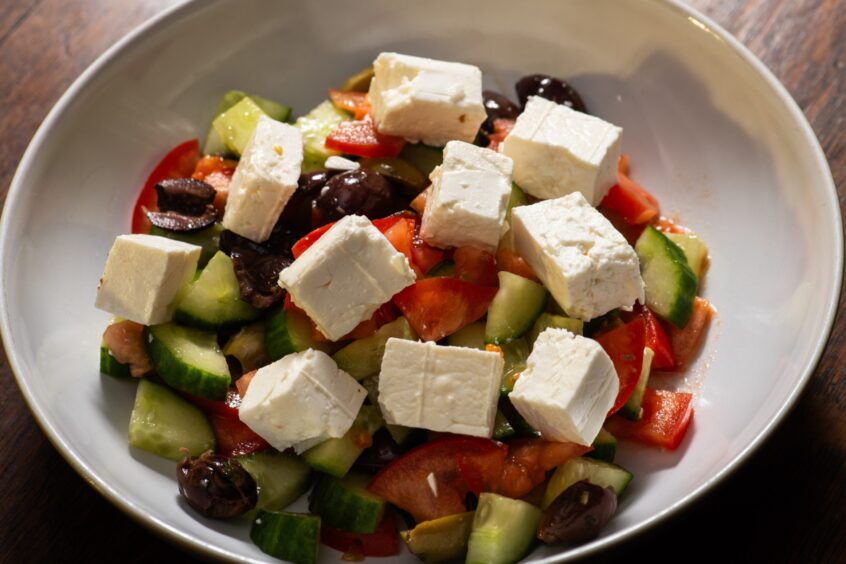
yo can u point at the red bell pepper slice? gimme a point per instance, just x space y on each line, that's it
475 266
357 103
529 460
624 345
629 199
384 541
437 307
664 423
360 138
658 341
687 341
178 163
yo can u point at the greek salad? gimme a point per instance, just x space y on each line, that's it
432 309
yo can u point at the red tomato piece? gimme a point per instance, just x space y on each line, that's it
502 127
217 172
418 204
658 341
357 103
234 438
384 541
687 341
385 314
360 138
624 345
529 460
242 383
309 239
666 418
629 199
178 163
510 261
405 482
437 307
475 266
424 256
224 408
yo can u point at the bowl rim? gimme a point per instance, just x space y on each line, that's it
183 9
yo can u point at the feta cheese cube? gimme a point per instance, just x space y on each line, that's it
449 389
340 163
557 151
584 262
264 180
426 100
301 400
346 275
144 276
567 388
468 199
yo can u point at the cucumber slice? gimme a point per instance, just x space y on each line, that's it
670 283
208 239
441 539
517 198
110 366
694 249
214 300
547 320
287 332
502 427
346 504
214 144
247 345
293 537
503 530
189 360
423 157
163 423
632 410
236 125
445 269
336 456
363 358
515 307
604 447
596 472
316 125
471 336
516 354
281 478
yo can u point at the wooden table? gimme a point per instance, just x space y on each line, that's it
788 504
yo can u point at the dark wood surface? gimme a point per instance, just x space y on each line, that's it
788 504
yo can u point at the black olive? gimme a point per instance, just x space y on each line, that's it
550 88
361 192
258 276
175 221
382 452
186 196
578 514
216 486
497 106
299 211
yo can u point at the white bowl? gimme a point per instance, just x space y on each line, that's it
710 131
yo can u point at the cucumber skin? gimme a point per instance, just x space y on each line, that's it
363 358
315 127
207 239
514 309
288 332
631 410
281 478
649 248
502 427
596 472
111 367
604 447
177 374
503 530
294 537
336 456
346 504
235 126
695 251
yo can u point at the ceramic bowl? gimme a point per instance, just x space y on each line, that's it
710 132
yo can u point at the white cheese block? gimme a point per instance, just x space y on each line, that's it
426 100
557 151
346 275
584 262
340 163
264 180
301 400
144 277
567 388
449 389
468 198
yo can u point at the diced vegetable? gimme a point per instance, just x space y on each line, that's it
360 138
293 537
687 342
694 250
346 504
502 427
363 358
503 530
632 409
594 471
110 366
629 199
336 456
381 542
547 320
207 238
604 447
529 460
664 423
287 332
189 360
475 266
236 125
625 346
658 341
281 478
670 283
423 157
316 125
442 539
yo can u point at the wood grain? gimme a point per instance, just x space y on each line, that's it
785 505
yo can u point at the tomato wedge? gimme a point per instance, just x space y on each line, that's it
624 345
178 163
437 307
234 438
658 341
385 314
360 138
629 199
664 423
687 341
529 460
428 481
475 266
357 103
510 261
384 541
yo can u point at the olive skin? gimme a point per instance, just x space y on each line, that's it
551 88
360 192
578 514
497 106
382 452
216 486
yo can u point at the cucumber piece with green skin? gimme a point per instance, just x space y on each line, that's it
445 269
189 359
516 355
281 478
236 125
503 530
163 423
514 309
214 144
694 249
293 537
345 503
502 427
632 410
472 336
440 540
315 127
670 283
287 332
110 366
596 472
208 239
604 447
547 320
336 456
423 157
214 299
363 358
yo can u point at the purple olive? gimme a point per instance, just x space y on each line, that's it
360 192
216 486
578 514
187 196
550 88
497 106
